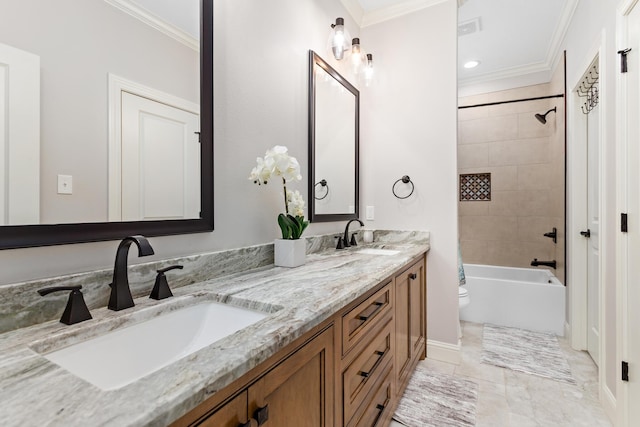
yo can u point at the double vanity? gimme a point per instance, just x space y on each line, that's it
330 343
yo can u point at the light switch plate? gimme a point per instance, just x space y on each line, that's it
65 184
370 213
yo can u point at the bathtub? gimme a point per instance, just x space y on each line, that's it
526 298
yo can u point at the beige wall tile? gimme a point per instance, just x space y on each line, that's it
517 254
473 156
534 177
533 203
490 228
487 129
502 177
474 251
472 113
532 229
473 208
504 203
529 127
519 152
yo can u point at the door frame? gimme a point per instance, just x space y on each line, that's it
576 218
622 313
117 85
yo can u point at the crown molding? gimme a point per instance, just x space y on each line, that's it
385 13
153 21
507 73
555 48
355 10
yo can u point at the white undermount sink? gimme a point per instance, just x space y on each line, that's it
120 357
376 251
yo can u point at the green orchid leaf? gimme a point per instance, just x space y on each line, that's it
285 226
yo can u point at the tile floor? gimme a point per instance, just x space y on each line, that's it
511 399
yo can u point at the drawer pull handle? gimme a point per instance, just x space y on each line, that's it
247 424
380 408
378 305
413 276
380 355
262 415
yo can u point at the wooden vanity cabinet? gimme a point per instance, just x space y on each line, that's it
296 392
299 391
231 414
410 321
349 371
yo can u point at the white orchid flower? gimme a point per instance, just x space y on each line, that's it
296 203
278 163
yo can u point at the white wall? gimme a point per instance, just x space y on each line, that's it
409 128
593 27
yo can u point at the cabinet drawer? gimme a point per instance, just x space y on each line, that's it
358 321
377 411
366 369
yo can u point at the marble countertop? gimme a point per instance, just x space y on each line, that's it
35 391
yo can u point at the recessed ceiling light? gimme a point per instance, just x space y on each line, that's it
471 64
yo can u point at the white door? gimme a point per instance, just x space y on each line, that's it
630 241
160 161
593 235
19 137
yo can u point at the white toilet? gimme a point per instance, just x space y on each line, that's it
463 301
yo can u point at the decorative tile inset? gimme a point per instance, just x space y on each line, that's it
475 187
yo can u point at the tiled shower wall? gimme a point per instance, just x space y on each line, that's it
526 161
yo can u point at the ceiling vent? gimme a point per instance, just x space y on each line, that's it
469 27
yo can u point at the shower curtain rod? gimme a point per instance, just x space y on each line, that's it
512 101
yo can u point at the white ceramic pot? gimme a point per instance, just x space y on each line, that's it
289 253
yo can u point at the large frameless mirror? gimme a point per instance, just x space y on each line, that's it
334 107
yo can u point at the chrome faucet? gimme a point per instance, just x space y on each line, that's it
120 292
345 239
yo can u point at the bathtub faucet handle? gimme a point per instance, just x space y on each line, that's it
536 263
552 235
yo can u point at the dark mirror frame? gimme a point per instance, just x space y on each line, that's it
315 59
23 236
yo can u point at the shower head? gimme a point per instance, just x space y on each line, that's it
542 118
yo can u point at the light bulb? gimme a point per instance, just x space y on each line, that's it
357 56
339 40
368 70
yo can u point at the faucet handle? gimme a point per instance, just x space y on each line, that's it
76 310
161 288
353 242
340 244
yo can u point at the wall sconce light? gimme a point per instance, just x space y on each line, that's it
368 70
358 57
339 40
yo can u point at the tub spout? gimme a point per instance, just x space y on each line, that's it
536 263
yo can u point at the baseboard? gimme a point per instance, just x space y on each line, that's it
609 404
567 331
443 352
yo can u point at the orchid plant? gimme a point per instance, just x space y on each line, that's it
277 163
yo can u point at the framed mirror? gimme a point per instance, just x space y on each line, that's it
121 101
334 111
